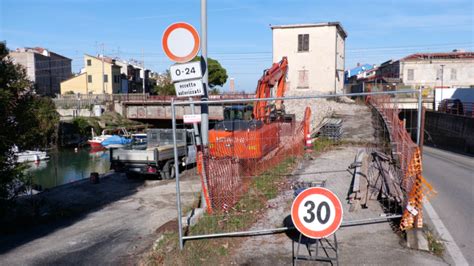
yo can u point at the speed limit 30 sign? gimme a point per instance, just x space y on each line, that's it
317 212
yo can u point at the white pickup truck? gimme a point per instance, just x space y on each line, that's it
158 158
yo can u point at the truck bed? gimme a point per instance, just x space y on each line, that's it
148 156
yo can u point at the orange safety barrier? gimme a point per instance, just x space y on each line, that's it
307 127
408 156
229 175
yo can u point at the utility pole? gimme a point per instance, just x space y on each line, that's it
103 72
143 65
205 78
442 81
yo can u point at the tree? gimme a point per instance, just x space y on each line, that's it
26 120
217 74
164 86
217 77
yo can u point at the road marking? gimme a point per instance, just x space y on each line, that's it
443 232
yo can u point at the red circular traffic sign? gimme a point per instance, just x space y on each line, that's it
180 42
317 212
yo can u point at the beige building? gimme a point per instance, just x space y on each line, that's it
45 68
316 56
90 81
429 71
438 70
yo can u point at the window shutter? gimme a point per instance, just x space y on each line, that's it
300 42
303 79
306 42
453 74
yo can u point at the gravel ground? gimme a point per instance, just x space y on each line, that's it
369 244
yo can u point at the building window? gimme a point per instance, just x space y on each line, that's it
89 62
453 74
89 78
303 79
303 42
106 78
439 74
411 74
116 78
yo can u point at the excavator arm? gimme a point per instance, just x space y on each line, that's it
276 74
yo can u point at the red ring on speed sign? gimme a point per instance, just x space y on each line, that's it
168 50
312 227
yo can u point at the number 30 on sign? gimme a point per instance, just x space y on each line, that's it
317 212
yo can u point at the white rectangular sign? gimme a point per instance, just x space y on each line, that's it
191 70
189 88
189 119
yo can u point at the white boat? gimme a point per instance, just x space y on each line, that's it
97 140
31 156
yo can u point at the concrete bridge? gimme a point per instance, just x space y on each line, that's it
152 107
138 106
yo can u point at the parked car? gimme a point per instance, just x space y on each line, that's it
451 106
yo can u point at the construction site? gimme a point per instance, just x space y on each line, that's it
290 144
268 149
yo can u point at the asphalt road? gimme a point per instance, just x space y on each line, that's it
452 176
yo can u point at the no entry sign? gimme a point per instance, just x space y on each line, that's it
316 212
180 42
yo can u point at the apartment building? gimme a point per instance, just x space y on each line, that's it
91 81
43 67
431 70
316 56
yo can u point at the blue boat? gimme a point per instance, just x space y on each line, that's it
116 141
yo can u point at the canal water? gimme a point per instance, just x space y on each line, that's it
67 166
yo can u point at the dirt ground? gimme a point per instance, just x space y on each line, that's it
110 223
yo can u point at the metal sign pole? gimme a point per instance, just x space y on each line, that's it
176 165
205 78
420 110
195 125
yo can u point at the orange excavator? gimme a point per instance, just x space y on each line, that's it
250 136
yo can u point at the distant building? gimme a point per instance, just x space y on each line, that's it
133 73
431 70
359 71
45 68
316 56
90 81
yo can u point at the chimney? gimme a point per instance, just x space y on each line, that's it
232 85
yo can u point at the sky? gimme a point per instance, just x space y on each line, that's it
239 34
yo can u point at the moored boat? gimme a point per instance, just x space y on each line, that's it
116 141
96 141
30 156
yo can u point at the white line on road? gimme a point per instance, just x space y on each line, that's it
443 232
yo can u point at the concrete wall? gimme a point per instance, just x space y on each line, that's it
448 131
27 61
164 111
426 72
319 61
85 112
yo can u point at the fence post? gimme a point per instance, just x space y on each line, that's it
176 165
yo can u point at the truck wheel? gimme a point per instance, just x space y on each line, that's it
168 170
